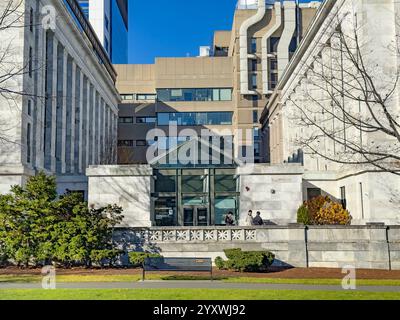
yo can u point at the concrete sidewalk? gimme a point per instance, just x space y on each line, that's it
194 285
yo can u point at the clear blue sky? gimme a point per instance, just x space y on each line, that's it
175 28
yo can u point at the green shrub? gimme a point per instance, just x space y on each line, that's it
245 261
99 257
220 263
232 253
137 258
37 227
303 215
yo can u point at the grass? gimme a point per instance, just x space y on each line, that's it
128 278
190 294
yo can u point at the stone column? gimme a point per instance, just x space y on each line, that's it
64 114
73 117
93 124
81 115
88 122
54 107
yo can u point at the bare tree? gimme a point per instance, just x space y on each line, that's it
13 65
347 107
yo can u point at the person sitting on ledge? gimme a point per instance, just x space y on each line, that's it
258 221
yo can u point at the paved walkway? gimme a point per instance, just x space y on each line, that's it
194 285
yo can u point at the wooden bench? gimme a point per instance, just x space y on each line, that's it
178 265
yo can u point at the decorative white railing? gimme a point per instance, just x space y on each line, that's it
192 235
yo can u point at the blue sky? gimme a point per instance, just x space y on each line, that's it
169 28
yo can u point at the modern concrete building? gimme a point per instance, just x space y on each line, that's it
109 19
63 115
225 91
370 194
175 103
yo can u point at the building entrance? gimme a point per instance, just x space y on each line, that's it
194 216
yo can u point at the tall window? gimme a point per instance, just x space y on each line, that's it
30 63
31 20
253 65
254 81
28 143
253 47
343 197
255 116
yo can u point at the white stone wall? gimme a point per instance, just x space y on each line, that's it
297 246
370 196
128 187
275 191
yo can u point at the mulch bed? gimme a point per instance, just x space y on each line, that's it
294 273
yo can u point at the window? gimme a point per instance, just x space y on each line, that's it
253 48
151 96
127 96
257 149
255 116
254 81
125 143
313 193
141 143
274 64
253 65
205 94
125 119
273 44
273 81
146 119
256 134
28 143
31 20
29 107
343 197
195 118
30 64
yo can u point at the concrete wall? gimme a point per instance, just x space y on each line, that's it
275 191
297 246
128 187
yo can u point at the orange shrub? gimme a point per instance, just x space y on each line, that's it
332 213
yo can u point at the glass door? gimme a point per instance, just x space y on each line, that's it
202 216
188 217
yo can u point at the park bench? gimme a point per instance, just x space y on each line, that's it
178 265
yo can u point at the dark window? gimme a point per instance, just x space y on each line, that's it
253 65
125 143
253 48
28 143
31 20
141 143
273 81
273 44
30 63
313 193
29 107
255 116
195 118
125 119
343 197
274 64
254 81
257 149
146 119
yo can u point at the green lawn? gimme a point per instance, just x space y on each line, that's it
190 294
119 278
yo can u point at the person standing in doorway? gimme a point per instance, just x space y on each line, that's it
229 221
258 221
249 218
